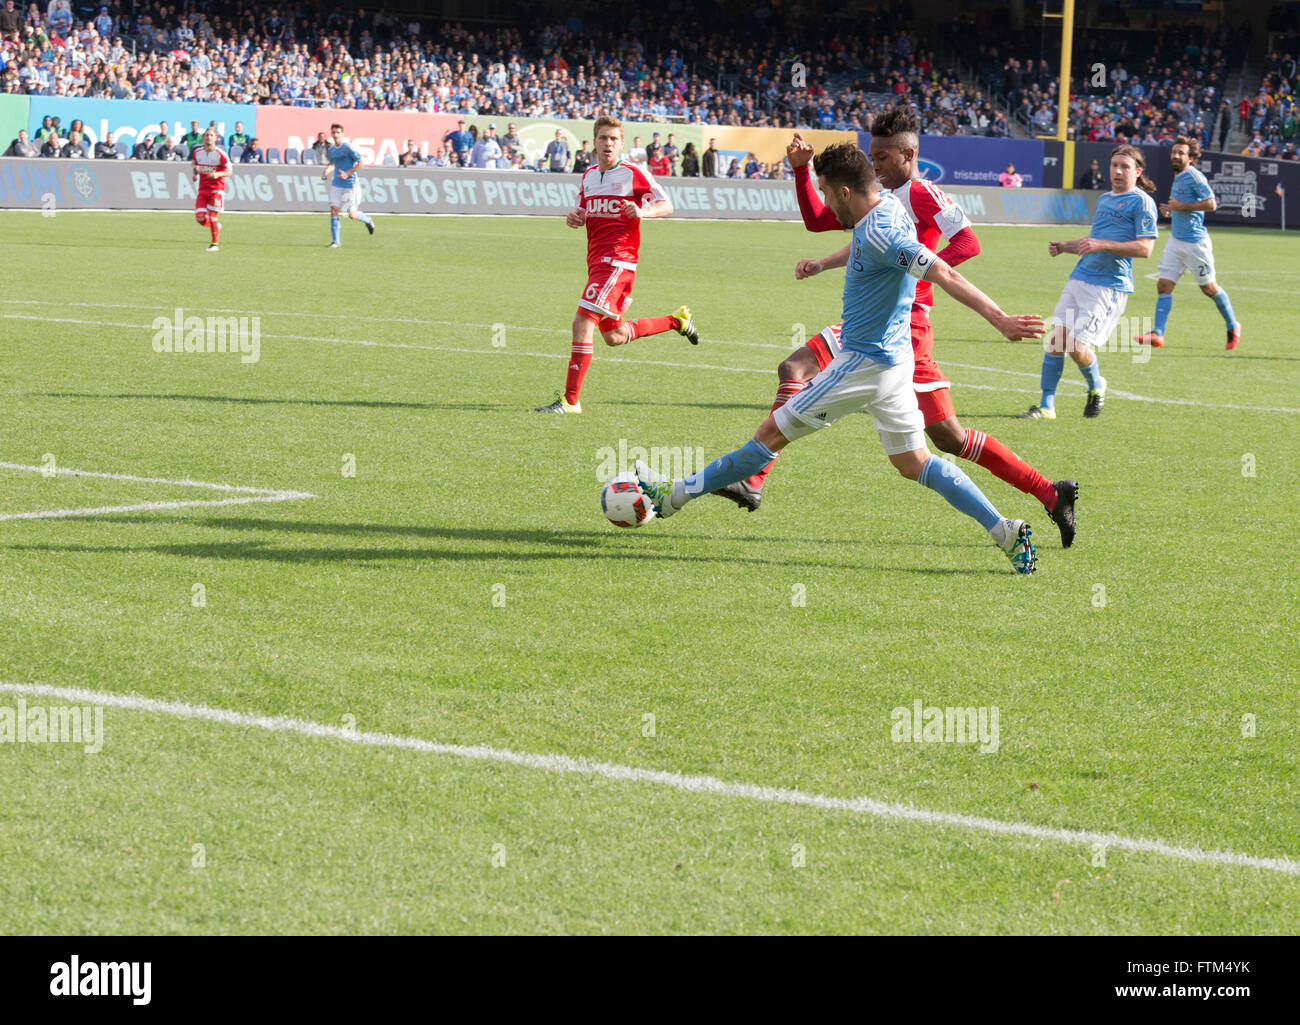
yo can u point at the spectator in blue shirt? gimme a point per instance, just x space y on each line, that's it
461 143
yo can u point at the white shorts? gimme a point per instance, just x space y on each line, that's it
1197 258
1089 312
345 199
852 381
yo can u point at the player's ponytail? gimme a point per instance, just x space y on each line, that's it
1133 153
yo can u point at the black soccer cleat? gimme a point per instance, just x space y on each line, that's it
1067 493
742 494
1096 399
370 227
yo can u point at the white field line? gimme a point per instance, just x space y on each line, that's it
247 494
677 781
1111 393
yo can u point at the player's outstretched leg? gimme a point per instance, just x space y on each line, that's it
987 451
959 491
334 229
669 496
679 321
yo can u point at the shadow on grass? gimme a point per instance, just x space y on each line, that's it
568 544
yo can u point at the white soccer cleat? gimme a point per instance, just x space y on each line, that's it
213 248
660 491
1013 537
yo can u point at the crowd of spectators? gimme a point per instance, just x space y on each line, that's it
1272 117
770 66
1127 86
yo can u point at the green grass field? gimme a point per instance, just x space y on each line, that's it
463 588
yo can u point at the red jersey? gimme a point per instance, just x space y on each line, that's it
214 161
610 235
934 214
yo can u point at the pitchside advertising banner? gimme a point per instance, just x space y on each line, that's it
131 120
1246 187
13 116
150 185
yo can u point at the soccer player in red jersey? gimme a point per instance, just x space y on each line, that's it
894 144
613 199
211 169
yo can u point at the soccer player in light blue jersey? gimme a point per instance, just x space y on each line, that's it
345 194
873 370
1189 248
1123 228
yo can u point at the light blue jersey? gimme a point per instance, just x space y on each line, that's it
1189 225
344 158
885 261
1126 217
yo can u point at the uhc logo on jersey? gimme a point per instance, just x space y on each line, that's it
597 205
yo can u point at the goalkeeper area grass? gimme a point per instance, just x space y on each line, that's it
368 659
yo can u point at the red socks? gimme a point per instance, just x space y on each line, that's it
579 361
643 326
1002 462
215 225
784 393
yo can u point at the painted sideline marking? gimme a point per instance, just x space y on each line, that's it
677 781
247 494
1114 393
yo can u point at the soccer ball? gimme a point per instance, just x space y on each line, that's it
624 503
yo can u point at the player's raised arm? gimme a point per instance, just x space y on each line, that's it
816 216
1013 327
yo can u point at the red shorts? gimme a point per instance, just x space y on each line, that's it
608 293
210 199
932 388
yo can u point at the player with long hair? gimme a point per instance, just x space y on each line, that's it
1123 229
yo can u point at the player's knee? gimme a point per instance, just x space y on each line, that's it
616 337
1212 289
796 368
1164 287
947 438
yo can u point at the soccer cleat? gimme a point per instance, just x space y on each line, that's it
559 406
685 327
658 491
1234 336
1096 399
333 245
1154 340
1018 546
1067 493
212 248
370 227
742 494
1037 413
